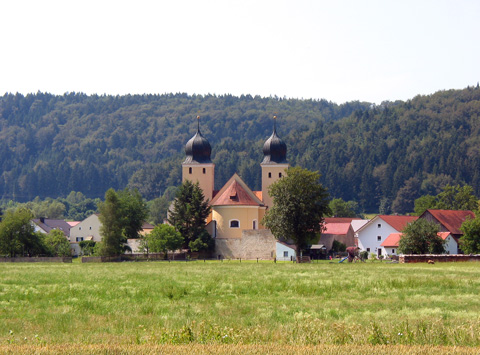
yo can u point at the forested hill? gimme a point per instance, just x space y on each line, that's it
51 145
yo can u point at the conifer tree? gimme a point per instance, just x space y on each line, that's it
188 216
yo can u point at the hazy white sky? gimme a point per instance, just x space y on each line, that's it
335 50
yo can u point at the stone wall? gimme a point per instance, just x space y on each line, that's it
56 259
254 243
437 258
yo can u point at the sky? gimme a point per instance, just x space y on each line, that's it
338 50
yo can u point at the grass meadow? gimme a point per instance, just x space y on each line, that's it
234 307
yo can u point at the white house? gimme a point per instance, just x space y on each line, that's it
285 252
371 236
88 229
451 243
390 245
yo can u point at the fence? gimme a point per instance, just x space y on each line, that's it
55 259
424 258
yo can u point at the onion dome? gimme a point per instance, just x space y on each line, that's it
274 149
198 148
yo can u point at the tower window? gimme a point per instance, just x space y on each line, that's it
204 170
189 170
234 223
269 175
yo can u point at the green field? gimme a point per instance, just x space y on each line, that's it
239 304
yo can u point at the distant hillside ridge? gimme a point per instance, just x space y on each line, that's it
54 144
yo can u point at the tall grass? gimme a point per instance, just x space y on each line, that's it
240 303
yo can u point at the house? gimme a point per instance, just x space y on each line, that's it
448 220
88 229
390 245
451 243
285 252
236 209
371 235
45 225
339 229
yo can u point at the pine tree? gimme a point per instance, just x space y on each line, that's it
189 214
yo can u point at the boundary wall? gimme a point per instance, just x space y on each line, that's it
424 258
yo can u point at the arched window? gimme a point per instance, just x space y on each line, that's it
204 170
269 175
279 175
254 224
189 170
234 223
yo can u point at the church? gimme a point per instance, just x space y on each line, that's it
237 211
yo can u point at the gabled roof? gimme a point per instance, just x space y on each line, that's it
235 193
444 235
340 219
397 222
450 219
336 228
357 224
392 240
48 224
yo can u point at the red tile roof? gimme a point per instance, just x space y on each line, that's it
336 228
443 235
452 220
392 240
235 193
398 222
340 219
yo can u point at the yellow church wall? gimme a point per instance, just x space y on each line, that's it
203 173
245 215
270 174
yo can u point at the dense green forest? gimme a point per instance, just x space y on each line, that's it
382 156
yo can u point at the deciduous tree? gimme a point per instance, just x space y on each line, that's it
162 239
57 244
421 237
300 203
470 241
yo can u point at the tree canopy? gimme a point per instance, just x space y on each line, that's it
162 239
55 144
17 235
470 240
188 215
421 237
300 203
450 198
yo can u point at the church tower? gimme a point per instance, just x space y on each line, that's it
197 165
274 162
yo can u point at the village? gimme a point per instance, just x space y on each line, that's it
235 220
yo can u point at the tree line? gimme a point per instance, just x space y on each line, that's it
381 157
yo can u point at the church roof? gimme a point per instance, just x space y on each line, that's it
197 149
274 149
236 193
